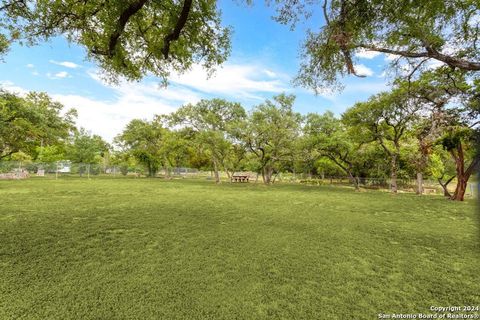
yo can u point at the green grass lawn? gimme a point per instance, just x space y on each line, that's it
155 249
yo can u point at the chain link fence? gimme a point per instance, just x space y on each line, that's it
58 169
12 170
430 186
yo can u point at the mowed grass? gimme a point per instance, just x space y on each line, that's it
155 249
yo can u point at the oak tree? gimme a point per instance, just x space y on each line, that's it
413 31
30 121
126 38
213 122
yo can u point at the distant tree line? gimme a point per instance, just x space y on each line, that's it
423 127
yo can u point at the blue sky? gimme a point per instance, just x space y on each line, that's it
263 62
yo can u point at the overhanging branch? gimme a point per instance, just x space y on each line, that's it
429 53
175 34
126 14
122 21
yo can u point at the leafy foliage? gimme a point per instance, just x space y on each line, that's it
144 139
26 123
213 123
415 31
86 148
271 132
328 137
126 38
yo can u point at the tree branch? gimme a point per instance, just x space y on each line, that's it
122 21
324 7
13 3
7 154
444 185
473 166
429 53
175 34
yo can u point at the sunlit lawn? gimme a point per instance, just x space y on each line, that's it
155 249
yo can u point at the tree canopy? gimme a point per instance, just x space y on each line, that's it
326 136
126 38
26 123
413 31
271 132
144 139
422 127
385 118
213 121
86 148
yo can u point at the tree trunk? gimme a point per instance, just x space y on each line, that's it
419 183
444 186
167 173
354 180
393 176
459 193
267 173
348 168
462 177
215 171
275 177
446 193
229 175
152 170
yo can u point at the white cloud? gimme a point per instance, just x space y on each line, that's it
366 87
233 80
147 98
11 87
131 101
355 87
66 64
390 57
475 19
359 90
148 89
434 64
59 75
31 66
366 54
363 70
270 73
109 118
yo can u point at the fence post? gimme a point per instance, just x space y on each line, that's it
56 171
88 171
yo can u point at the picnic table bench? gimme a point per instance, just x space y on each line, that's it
429 190
240 178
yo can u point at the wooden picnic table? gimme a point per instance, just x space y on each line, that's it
240 178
